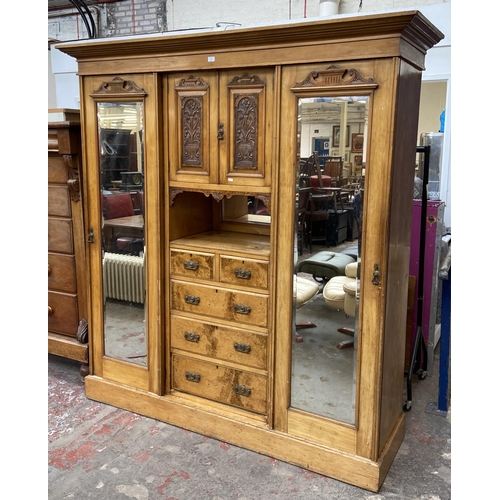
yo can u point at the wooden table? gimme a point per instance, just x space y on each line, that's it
131 226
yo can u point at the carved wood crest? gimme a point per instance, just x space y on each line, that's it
335 77
192 82
118 87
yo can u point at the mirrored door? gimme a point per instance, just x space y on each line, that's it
328 223
122 193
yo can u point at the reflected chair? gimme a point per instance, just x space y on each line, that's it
304 290
340 293
117 205
317 215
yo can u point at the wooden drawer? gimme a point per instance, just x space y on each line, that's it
244 307
246 272
59 201
63 313
192 264
62 273
219 383
230 344
60 236
58 171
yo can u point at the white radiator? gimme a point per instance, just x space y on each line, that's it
123 277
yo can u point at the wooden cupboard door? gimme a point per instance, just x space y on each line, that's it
192 120
246 110
220 383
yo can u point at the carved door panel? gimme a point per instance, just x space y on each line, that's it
220 127
245 113
192 121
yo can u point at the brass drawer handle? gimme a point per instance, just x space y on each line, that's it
191 337
192 377
241 309
241 273
50 310
192 299
242 390
244 348
192 266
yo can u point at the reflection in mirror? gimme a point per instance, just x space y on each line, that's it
121 162
330 172
245 209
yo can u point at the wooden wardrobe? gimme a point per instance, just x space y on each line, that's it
219 121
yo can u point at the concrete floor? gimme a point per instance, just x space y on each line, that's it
96 451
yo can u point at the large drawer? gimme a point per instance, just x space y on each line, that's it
59 203
230 344
63 314
219 383
244 307
246 272
60 235
62 273
192 264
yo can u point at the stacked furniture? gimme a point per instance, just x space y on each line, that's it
67 323
220 128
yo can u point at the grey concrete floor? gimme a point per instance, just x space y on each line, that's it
96 451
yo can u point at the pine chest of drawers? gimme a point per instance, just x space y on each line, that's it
219 301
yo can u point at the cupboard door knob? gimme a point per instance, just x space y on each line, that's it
220 134
50 310
49 268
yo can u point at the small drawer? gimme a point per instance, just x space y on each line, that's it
219 383
244 307
192 264
59 202
58 169
247 272
62 273
60 235
214 341
63 314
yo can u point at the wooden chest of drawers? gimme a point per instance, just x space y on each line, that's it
66 247
219 300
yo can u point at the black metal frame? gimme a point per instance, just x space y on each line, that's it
418 363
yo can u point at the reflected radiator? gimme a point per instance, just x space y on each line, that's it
123 277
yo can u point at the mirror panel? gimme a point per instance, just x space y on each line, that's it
121 162
246 210
330 172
